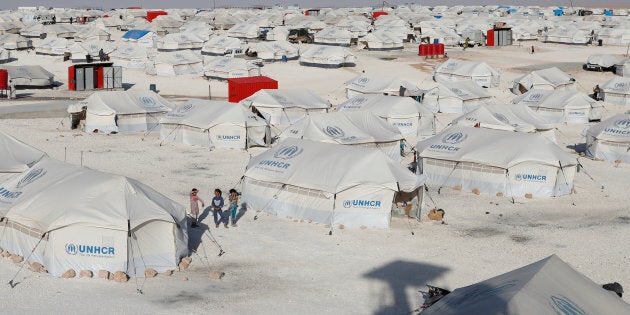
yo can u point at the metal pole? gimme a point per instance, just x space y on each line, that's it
65 153
81 158
209 91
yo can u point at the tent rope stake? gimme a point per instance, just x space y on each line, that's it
214 240
565 182
275 196
447 177
12 282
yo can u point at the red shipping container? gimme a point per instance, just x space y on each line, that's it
241 88
490 38
440 49
4 79
71 83
153 14
99 78
376 14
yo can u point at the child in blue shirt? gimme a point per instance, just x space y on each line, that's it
217 207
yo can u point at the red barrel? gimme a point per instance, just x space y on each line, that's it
422 50
4 79
431 50
440 49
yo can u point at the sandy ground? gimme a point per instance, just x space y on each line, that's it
276 265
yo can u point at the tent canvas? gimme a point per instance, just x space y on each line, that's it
366 84
285 106
226 67
27 75
454 70
610 139
455 97
327 183
16 156
545 79
108 222
327 57
561 106
616 91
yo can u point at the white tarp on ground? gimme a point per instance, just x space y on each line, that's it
545 79
359 128
214 124
404 113
227 67
91 220
129 55
616 91
372 84
179 41
15 41
327 57
328 183
455 97
52 46
286 106
519 118
16 156
35 76
219 45
548 286
122 111
454 70
176 63
610 139
271 51
494 161
558 106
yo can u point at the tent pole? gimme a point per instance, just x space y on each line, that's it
332 218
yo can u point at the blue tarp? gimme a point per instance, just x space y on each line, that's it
135 34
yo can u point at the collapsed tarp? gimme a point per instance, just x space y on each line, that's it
122 111
548 286
361 128
276 50
404 113
15 41
561 106
545 79
214 124
601 62
610 139
327 183
52 46
106 222
493 161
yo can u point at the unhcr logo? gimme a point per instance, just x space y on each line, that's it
359 100
358 203
620 86
89 250
31 177
289 152
185 109
363 80
535 96
459 92
71 249
623 123
454 138
562 305
531 177
501 118
334 132
229 137
147 101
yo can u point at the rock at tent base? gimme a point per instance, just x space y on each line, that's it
168 273
187 260
16 258
301 221
120 276
182 265
5 253
499 194
216 275
43 270
476 191
296 220
582 154
327 226
104 274
458 187
341 226
150 273
110 276
363 227
529 196
86 274
573 191
70 273
617 162
185 279
35 267
310 221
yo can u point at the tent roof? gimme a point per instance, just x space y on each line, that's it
493 147
55 194
509 117
617 84
548 286
343 128
206 114
17 156
466 68
28 72
552 76
377 84
385 106
615 129
556 99
123 102
331 168
286 98
604 60
135 34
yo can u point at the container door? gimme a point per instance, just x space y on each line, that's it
80 79
117 83
108 77
89 79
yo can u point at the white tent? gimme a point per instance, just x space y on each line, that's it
622 68
381 40
214 124
333 36
359 128
285 106
548 286
91 33
545 79
52 46
559 106
455 97
16 156
277 33
494 161
243 30
602 62
122 111
327 183
519 118
454 70
273 51
15 41
616 91
614 36
129 55
175 63
219 45
373 84
226 67
143 38
404 113
567 35
327 57
179 41
31 76
80 50
610 139
72 217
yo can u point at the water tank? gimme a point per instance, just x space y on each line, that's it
4 79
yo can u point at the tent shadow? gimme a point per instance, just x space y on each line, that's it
578 147
195 234
127 86
399 276
241 212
